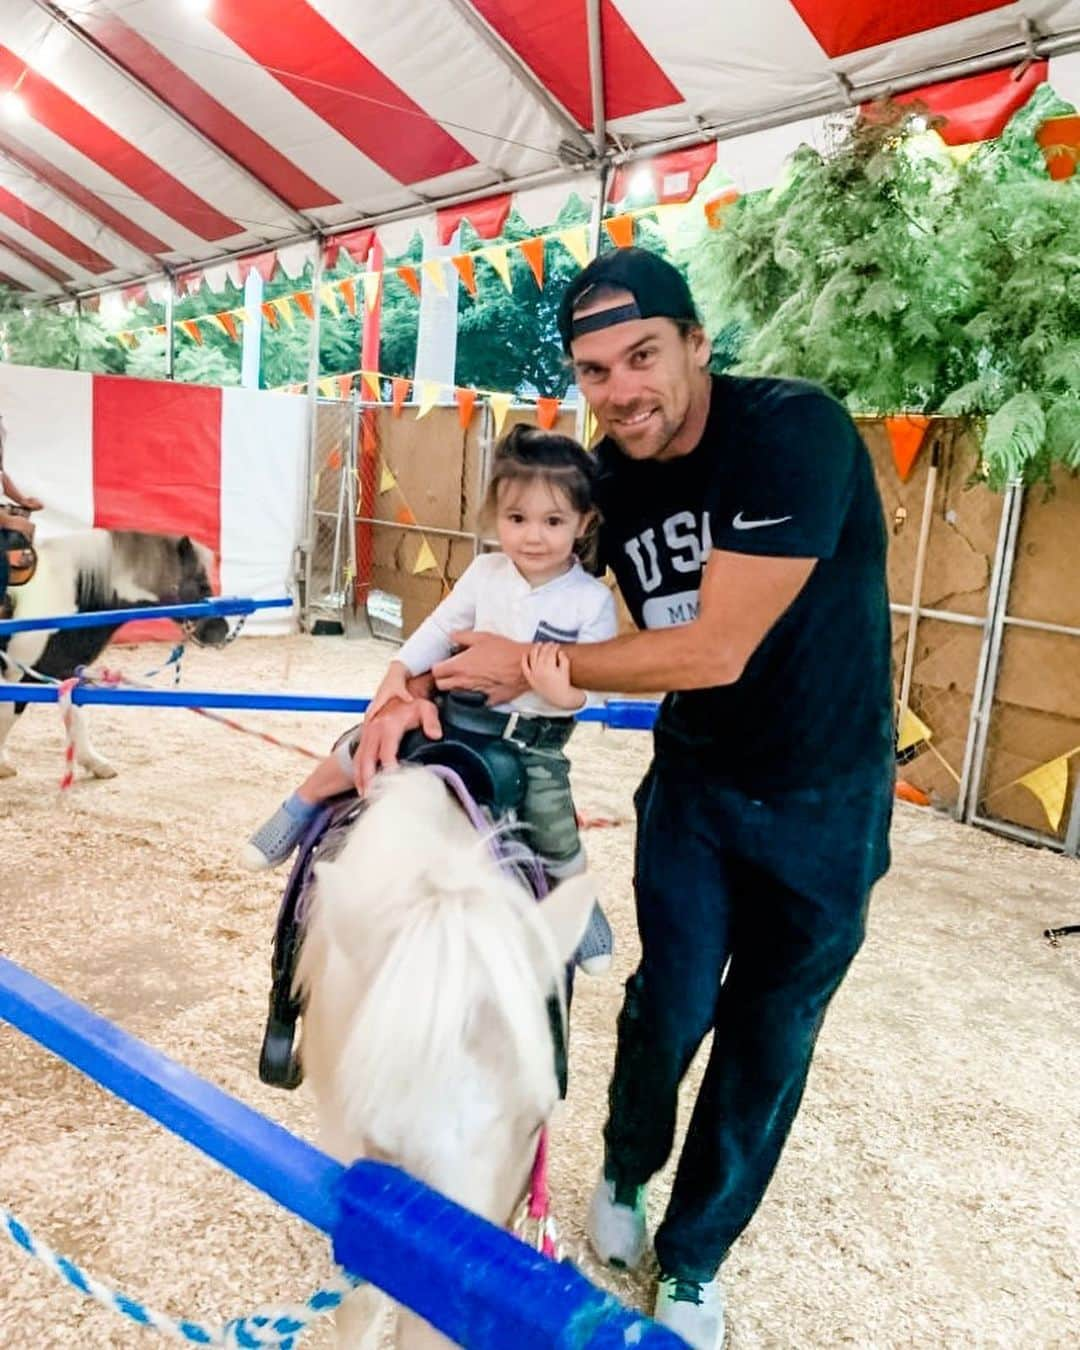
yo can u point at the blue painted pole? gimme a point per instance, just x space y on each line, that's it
472 1281
621 714
217 608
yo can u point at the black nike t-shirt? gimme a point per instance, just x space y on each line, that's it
780 471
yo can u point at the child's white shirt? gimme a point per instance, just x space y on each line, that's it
492 596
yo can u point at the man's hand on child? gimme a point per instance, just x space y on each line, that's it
547 669
381 736
486 662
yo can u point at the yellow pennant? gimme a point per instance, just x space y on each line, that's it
329 298
433 270
496 256
590 428
1050 783
912 731
426 561
500 406
372 281
576 243
387 481
284 308
326 388
370 380
429 394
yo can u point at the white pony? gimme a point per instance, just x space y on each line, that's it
96 570
427 972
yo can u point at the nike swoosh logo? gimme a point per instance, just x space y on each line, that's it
741 524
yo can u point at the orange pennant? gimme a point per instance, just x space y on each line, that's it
466 402
533 250
305 302
547 409
411 278
333 459
348 290
906 435
620 230
228 322
344 386
405 517
191 328
269 313
401 393
466 269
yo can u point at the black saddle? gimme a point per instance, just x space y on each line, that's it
493 776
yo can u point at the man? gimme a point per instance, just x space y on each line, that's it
743 523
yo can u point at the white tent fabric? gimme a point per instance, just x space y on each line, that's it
137 134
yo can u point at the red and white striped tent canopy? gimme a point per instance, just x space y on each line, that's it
137 135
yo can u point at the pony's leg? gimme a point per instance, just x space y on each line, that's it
7 721
85 754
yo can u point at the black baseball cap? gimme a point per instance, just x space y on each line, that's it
659 290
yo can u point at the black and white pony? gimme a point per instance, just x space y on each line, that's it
89 571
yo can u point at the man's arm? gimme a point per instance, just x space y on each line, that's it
741 598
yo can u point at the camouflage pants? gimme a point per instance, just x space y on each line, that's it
548 813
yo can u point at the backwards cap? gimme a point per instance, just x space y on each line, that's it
659 292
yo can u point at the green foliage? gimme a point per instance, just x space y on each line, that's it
904 278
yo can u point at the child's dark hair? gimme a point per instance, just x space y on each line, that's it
527 454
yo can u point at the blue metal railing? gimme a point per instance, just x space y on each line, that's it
218 608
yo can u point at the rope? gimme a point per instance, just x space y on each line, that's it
276 1325
67 714
545 1236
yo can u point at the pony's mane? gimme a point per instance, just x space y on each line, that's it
420 931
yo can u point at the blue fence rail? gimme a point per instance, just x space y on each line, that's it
620 714
472 1281
222 607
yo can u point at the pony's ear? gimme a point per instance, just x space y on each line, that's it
566 912
186 547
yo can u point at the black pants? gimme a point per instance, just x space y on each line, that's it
780 887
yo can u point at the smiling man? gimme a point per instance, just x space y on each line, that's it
742 520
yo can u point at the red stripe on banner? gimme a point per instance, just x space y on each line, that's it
319 67
34 259
487 217
857 24
89 201
157 466
91 137
978 107
553 41
203 111
41 227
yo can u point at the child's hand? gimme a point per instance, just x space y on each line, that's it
394 686
547 670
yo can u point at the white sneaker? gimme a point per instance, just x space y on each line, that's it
617 1231
693 1310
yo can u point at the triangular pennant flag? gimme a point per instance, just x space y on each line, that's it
326 388
217 320
576 243
401 393
369 385
269 313
906 435
387 481
912 731
228 322
191 328
284 308
466 270
305 303
348 291
466 402
547 409
620 230
329 297
496 256
590 428
433 270
371 289
333 459
405 517
533 250
426 561
344 386
159 328
500 406
429 396
411 278
1050 783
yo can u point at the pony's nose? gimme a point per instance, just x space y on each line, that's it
212 632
